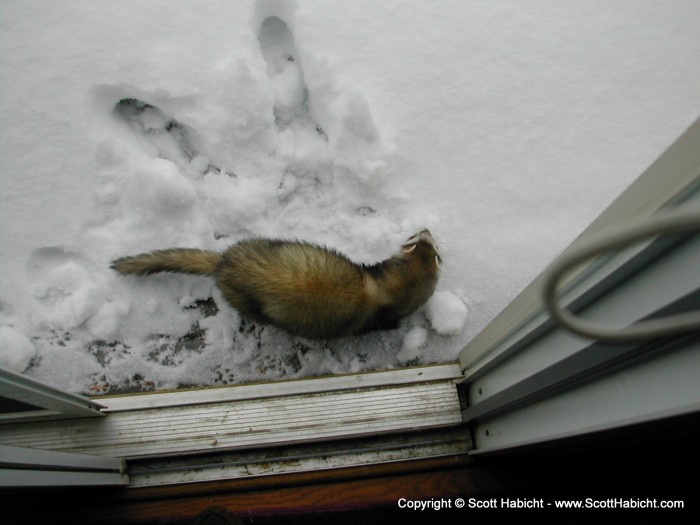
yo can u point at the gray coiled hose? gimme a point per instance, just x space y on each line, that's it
679 220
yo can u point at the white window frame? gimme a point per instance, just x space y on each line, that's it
529 381
46 402
26 467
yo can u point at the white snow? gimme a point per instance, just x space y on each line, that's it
504 127
413 342
447 313
17 350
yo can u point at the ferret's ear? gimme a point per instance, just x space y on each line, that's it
408 248
437 261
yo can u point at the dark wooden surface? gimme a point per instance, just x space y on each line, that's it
349 489
652 468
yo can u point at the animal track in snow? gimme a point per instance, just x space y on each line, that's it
171 138
286 76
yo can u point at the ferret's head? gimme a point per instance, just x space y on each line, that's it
421 248
410 276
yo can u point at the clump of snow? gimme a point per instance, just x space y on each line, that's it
413 341
66 293
447 313
354 125
16 350
105 322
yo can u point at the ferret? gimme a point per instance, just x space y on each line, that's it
306 289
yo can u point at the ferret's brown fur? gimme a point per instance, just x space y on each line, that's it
306 289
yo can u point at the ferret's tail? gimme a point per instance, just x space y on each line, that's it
181 260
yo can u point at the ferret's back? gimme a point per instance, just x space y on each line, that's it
304 288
